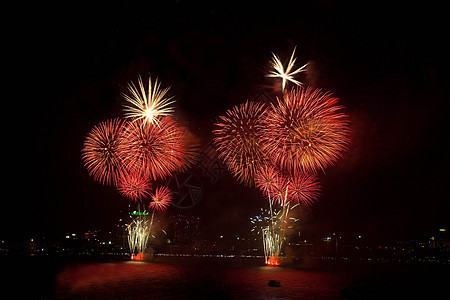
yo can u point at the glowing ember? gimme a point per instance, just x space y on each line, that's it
272 261
137 257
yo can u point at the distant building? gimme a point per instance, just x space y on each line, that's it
186 229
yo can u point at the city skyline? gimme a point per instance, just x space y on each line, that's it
181 238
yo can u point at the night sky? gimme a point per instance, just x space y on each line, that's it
68 65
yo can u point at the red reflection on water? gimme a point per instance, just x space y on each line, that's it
198 278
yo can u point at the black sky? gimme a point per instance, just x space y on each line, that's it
68 66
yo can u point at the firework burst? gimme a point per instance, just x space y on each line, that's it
148 105
155 150
134 186
237 140
285 74
300 187
161 199
305 130
101 152
270 180
303 188
267 177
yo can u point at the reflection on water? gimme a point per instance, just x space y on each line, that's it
195 279
190 278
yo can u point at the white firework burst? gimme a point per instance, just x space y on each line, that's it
147 104
285 74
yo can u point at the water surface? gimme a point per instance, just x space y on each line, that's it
196 279
227 278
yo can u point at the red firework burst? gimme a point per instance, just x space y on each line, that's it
237 140
134 186
161 199
101 151
305 130
301 188
153 149
271 182
267 178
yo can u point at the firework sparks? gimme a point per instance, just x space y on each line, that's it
267 225
161 199
149 104
101 151
154 150
305 130
285 74
263 220
237 140
138 234
272 246
271 226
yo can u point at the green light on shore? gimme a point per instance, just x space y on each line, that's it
138 213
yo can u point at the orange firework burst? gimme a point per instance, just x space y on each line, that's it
153 149
161 199
237 140
101 151
134 186
305 130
